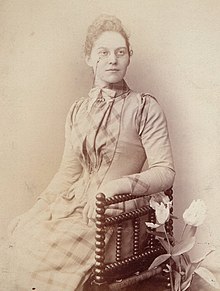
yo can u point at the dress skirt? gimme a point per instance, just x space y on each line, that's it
52 254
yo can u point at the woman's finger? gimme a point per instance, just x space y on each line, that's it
13 224
113 212
91 212
94 214
85 213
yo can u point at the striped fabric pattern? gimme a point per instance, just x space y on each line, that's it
55 250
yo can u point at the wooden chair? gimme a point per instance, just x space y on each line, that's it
127 271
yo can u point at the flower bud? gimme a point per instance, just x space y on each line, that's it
196 213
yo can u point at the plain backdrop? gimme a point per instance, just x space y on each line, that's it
176 46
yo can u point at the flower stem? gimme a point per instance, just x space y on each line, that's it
183 231
171 277
167 238
170 269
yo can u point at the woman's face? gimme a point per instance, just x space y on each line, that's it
109 58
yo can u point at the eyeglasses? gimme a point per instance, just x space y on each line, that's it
119 53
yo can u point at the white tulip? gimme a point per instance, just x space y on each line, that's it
162 208
196 213
152 225
162 212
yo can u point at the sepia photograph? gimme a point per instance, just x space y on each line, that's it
109 145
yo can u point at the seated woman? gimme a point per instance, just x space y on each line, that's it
109 135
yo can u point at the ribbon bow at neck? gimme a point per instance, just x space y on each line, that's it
100 95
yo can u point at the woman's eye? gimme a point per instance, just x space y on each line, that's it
103 53
120 52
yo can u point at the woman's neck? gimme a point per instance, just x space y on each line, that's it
120 87
101 84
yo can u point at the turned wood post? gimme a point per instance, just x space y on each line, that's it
100 240
136 235
169 223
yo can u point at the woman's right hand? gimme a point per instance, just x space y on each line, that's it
22 219
13 224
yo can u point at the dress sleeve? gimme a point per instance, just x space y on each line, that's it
160 173
70 168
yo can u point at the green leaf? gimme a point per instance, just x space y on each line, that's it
184 246
185 285
184 261
207 276
203 257
186 258
173 216
159 260
190 231
160 234
177 281
164 244
188 276
191 269
176 260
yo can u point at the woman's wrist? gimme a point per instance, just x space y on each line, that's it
110 189
40 205
117 186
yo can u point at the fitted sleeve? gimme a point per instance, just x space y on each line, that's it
153 132
70 168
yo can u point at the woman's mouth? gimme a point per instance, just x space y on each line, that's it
112 70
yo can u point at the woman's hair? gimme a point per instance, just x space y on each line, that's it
101 24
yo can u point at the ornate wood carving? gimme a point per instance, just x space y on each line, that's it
105 273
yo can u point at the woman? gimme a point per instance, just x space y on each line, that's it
109 136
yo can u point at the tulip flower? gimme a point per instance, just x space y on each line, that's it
159 198
152 225
196 213
162 209
177 257
162 213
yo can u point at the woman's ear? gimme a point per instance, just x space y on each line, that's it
129 61
88 61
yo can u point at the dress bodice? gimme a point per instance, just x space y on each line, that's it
111 141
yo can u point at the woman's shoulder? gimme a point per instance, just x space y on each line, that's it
145 104
146 109
142 99
74 108
147 96
78 102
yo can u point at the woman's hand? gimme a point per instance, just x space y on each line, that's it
109 189
13 224
22 219
89 209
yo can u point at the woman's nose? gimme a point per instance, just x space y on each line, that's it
112 58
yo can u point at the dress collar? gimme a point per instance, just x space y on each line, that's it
112 90
107 93
120 88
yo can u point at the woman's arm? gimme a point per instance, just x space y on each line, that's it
70 168
69 172
155 139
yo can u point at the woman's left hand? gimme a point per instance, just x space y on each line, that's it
89 212
109 189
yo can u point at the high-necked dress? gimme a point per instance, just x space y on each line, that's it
115 136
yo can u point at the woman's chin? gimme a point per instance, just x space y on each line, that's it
113 79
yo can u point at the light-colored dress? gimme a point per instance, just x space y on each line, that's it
114 135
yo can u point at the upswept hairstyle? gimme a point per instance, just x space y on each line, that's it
101 24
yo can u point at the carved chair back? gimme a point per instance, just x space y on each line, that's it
125 271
